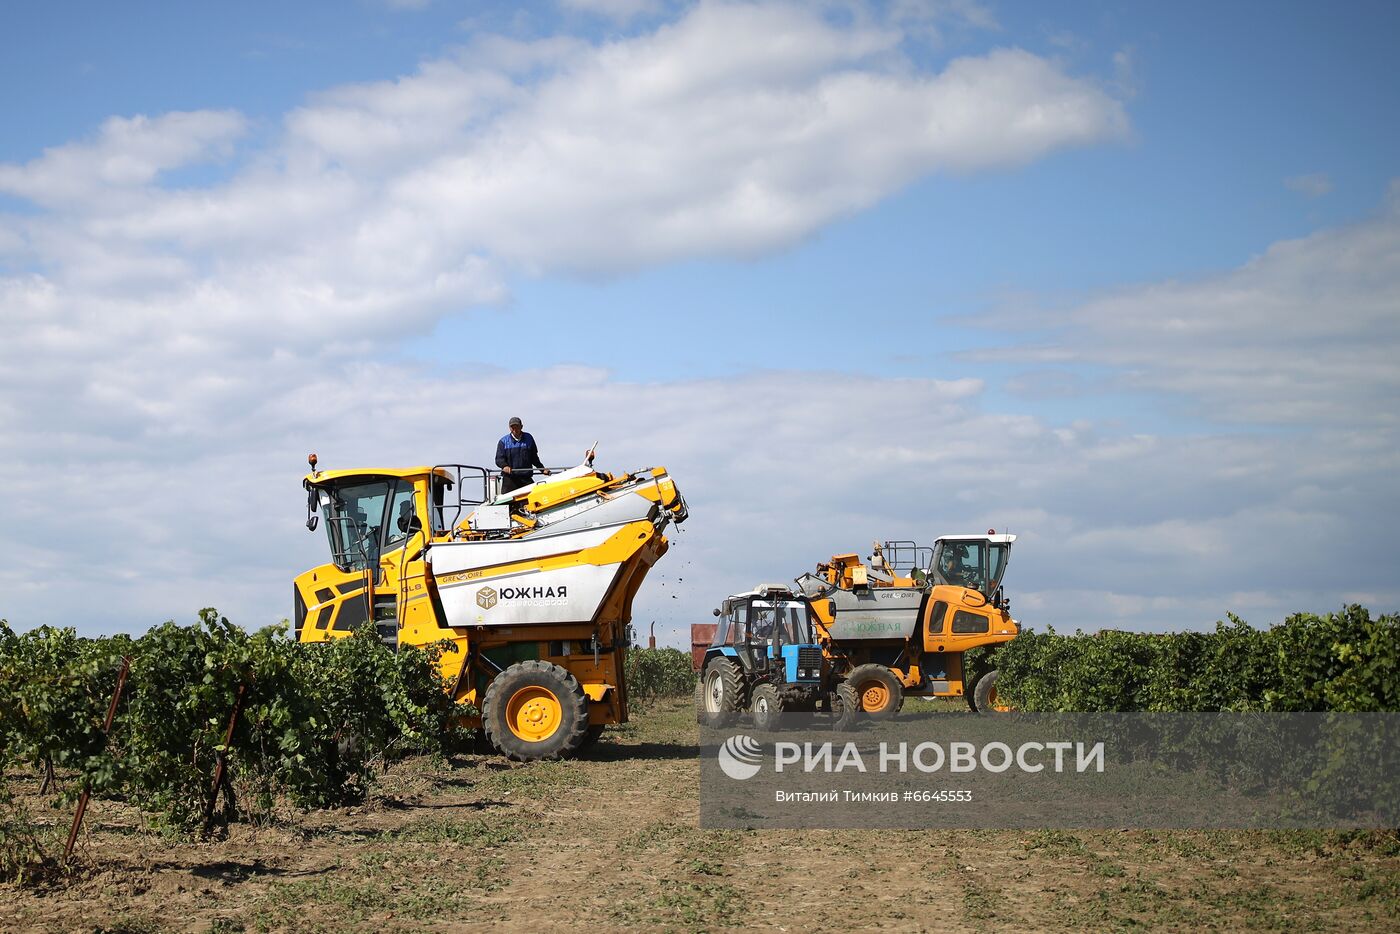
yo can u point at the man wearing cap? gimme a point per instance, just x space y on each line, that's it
516 455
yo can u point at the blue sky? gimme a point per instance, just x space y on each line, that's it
1141 305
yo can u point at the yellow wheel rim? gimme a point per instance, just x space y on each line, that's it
534 714
874 697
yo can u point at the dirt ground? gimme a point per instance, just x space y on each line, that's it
611 842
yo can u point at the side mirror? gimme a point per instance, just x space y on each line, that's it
312 518
716 611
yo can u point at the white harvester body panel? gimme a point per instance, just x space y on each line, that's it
559 595
453 559
481 582
877 613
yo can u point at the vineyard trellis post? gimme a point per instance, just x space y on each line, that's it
106 731
222 757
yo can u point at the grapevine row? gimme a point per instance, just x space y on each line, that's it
307 725
1345 661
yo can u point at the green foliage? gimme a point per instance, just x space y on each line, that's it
314 721
52 704
1343 661
653 673
21 849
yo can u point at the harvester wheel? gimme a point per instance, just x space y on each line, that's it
845 708
766 707
881 695
985 693
722 697
535 710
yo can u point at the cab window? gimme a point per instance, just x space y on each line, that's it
935 619
403 519
354 513
783 620
738 625
965 622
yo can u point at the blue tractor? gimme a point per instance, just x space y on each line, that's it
764 659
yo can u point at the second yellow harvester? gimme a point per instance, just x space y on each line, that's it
900 622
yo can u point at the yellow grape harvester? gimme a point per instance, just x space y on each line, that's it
530 591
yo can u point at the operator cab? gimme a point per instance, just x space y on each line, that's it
764 628
763 615
375 526
977 562
365 515
370 514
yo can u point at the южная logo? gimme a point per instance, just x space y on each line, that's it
486 598
739 757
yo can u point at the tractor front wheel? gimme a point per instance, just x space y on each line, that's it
881 695
985 693
845 708
535 710
722 694
766 708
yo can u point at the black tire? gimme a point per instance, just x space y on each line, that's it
766 708
984 693
722 693
545 678
700 699
845 708
881 695
591 736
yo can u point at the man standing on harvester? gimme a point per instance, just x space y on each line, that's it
517 455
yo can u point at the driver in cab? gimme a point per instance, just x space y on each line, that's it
955 568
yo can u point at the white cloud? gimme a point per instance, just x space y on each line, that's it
734 130
1307 333
127 153
148 507
741 153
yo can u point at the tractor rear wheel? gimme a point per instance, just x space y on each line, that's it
845 708
985 693
722 694
766 708
881 695
535 710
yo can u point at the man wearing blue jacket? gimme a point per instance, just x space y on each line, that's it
516 455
